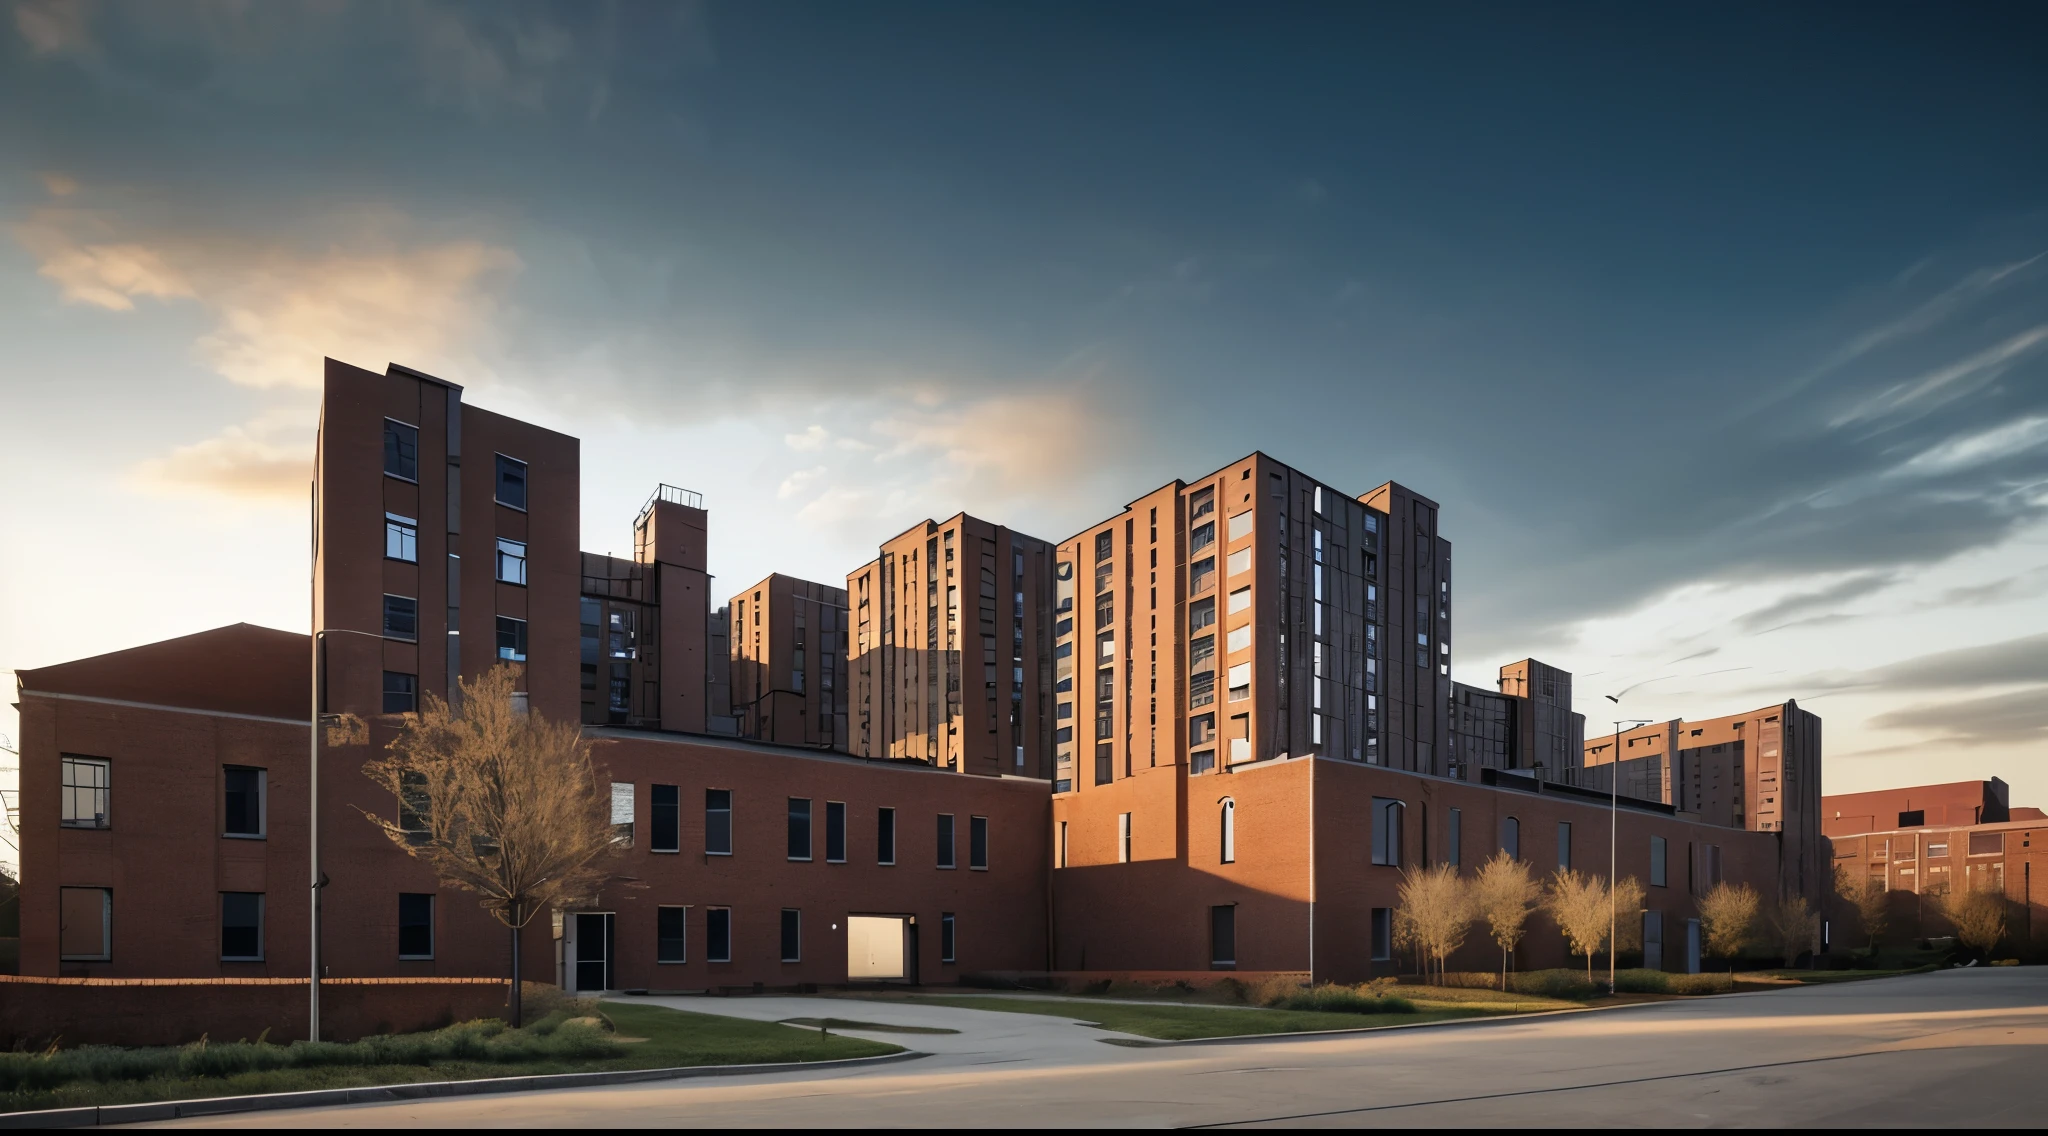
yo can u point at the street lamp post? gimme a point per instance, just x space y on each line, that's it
315 878
1613 830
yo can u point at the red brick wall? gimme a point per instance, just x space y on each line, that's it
78 1011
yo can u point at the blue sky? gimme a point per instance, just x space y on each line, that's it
1720 331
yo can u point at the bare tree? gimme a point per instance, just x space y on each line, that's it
500 802
1577 903
1794 928
1727 916
1436 912
1503 894
1978 915
1868 897
1628 907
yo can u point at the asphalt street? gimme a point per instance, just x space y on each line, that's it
1953 1049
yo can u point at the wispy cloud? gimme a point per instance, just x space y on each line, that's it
1923 393
1806 607
269 459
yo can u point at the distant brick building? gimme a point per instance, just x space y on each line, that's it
1925 842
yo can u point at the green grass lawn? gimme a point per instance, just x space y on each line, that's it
647 1037
1816 977
1179 1021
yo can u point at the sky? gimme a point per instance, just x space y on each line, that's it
1720 332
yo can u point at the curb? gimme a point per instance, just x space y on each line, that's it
1473 1022
92 1115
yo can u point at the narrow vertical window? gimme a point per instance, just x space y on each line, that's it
792 935
977 843
1382 934
835 832
1229 837
1657 855
671 934
401 450
1511 838
1223 936
241 926
1063 844
665 820
1123 838
718 822
885 836
415 925
1564 845
1454 839
512 482
718 934
949 943
1386 831
946 840
401 692
799 828
243 806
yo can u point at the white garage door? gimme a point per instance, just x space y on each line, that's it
874 946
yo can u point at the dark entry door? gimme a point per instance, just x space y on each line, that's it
593 952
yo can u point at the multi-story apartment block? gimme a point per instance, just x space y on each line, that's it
643 637
1760 770
950 653
788 662
1526 724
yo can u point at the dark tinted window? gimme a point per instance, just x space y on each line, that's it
977 842
885 836
1223 936
718 821
799 828
947 941
945 840
241 925
835 832
668 820
244 802
511 639
401 617
671 926
511 482
401 450
401 695
415 925
718 934
792 935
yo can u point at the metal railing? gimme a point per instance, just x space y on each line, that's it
674 495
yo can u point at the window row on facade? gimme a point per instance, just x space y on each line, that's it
86 925
804 814
672 934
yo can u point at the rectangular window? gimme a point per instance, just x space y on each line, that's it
799 828
243 814
1382 934
977 843
85 792
1105 762
1202 761
1240 600
946 840
401 693
1202 537
1201 575
1240 562
401 618
401 538
1511 837
415 925
835 832
885 836
1223 935
671 934
511 639
1240 682
1123 838
85 924
401 450
1657 859
1063 844
1987 843
512 561
1107 644
665 820
1386 831
512 482
1239 639
1241 524
241 926
718 822
1564 844
949 945
622 813
792 935
718 934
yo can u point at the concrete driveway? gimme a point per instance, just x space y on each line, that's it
1953 1049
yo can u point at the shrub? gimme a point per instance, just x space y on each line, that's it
1559 983
1272 990
1662 982
488 1040
1330 998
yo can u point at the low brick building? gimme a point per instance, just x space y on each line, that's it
1922 843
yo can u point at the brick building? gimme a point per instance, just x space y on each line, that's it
1924 842
1232 695
788 662
1527 723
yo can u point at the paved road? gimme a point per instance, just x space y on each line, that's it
1955 1049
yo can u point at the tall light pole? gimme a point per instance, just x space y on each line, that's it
1613 829
314 877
